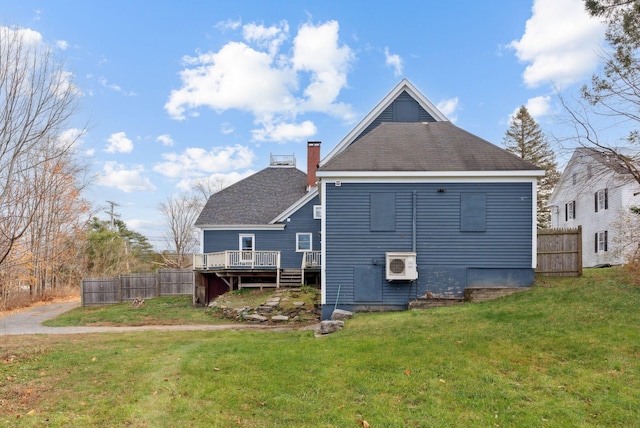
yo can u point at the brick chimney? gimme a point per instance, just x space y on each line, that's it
313 159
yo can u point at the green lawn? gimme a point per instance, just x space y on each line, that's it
566 353
158 311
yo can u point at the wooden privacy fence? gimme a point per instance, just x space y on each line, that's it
127 287
559 252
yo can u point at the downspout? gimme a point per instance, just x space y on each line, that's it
414 238
414 232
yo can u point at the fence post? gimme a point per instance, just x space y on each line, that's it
580 250
119 288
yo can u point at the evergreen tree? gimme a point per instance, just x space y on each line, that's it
112 252
525 139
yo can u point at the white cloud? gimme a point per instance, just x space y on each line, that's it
27 35
119 143
226 180
127 180
62 44
538 106
71 137
560 43
270 38
316 50
165 139
394 61
227 128
196 162
115 87
229 24
283 132
449 108
259 76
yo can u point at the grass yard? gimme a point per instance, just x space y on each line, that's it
158 311
179 309
566 353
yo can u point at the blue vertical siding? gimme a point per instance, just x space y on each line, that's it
444 252
301 221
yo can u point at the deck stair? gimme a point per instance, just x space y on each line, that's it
290 277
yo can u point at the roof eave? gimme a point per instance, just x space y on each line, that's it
429 174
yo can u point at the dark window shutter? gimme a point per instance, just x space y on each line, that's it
606 199
566 212
596 199
596 248
575 214
382 212
605 240
473 212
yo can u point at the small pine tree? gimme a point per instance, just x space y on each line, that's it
525 139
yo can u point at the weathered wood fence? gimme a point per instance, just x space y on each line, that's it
127 287
559 252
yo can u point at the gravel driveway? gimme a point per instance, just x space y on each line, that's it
29 322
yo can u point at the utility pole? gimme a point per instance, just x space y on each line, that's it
112 213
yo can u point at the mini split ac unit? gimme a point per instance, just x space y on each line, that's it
401 267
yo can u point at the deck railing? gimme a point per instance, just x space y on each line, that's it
311 259
237 259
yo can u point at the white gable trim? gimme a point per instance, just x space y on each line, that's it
295 207
404 85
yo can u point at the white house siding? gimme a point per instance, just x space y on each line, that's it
622 193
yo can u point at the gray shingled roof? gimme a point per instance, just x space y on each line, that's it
416 146
605 158
257 199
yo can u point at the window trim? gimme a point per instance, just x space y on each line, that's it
300 234
570 211
317 212
601 241
601 199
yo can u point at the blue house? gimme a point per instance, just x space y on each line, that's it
414 206
407 205
263 231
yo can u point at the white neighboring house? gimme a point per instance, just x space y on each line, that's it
596 193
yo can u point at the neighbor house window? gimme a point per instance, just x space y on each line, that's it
570 211
601 241
601 200
317 212
574 178
303 242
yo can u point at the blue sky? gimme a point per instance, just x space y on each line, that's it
175 92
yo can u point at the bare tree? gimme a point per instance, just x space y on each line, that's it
37 100
180 213
206 187
611 102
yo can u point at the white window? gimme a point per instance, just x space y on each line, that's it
303 242
570 211
246 246
601 241
601 200
317 212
